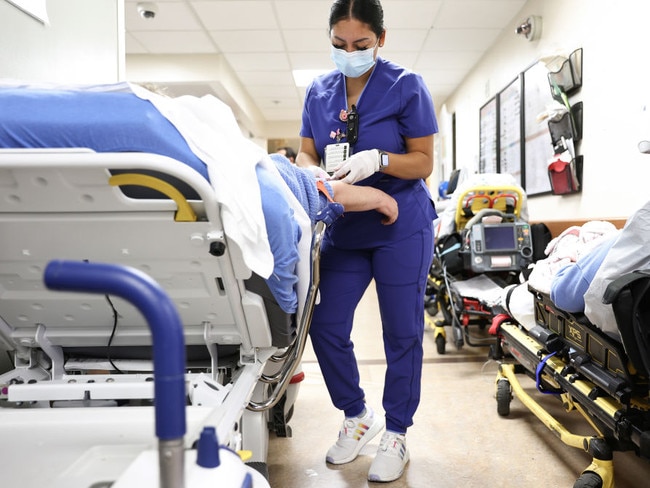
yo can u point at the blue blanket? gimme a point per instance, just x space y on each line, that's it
115 121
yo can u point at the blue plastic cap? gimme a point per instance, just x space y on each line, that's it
208 449
248 481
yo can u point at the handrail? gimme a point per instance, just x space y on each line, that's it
294 353
185 213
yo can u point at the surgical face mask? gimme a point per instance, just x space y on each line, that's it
353 64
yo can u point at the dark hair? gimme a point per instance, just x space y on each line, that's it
367 11
289 152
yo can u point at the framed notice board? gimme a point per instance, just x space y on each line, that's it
537 137
488 151
510 121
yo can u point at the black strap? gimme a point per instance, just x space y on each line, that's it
615 287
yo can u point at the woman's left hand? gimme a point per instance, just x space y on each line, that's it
358 166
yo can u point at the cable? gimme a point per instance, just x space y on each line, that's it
110 340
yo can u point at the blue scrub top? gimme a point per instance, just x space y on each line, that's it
394 104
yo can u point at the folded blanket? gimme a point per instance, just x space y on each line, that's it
301 182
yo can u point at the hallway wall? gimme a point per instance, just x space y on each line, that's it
615 94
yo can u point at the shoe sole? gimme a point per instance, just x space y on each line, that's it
372 432
375 478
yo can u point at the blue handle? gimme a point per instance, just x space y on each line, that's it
163 319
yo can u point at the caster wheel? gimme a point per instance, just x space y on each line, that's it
504 397
432 308
441 343
589 479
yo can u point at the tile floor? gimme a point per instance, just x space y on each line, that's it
457 440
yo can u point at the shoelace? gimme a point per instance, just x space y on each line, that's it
353 429
388 441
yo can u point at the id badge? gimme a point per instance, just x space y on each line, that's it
335 154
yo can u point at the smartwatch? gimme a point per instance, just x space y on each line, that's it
383 160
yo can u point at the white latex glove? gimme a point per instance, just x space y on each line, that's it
357 167
318 172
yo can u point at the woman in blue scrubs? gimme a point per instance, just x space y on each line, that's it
381 116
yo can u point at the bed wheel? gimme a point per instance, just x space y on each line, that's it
504 397
432 307
589 479
441 343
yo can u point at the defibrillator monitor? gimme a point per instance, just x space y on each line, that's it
505 246
498 238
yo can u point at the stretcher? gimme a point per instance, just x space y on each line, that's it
600 377
145 351
474 262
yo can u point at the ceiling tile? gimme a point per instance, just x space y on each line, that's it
443 76
301 40
477 14
405 39
410 14
251 78
275 103
248 41
436 60
283 115
235 15
460 39
272 91
255 62
175 42
304 14
315 60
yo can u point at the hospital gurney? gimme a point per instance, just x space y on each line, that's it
79 400
472 263
602 378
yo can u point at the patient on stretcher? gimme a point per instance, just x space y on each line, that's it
581 263
580 286
203 134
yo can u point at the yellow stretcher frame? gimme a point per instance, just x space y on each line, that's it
504 198
506 373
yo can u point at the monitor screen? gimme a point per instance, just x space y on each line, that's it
499 237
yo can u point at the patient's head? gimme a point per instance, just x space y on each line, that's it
155 88
287 152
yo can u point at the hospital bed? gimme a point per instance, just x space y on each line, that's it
484 248
601 376
145 350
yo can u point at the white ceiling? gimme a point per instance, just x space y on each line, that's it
262 41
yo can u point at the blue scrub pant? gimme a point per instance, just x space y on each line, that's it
400 272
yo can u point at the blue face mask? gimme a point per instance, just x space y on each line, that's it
353 64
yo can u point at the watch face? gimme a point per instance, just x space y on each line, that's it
384 160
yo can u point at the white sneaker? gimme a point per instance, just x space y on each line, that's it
355 433
391 458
